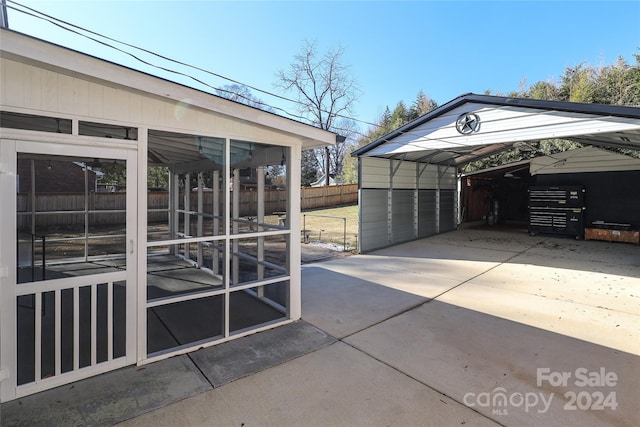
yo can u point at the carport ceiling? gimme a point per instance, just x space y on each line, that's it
473 126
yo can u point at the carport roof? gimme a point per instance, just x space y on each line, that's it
474 126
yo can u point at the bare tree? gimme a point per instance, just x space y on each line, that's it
348 129
243 95
325 89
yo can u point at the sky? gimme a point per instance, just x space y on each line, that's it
394 49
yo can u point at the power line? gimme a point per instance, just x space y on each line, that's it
76 29
53 20
61 24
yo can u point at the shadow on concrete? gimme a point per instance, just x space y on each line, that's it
383 305
472 356
498 245
476 358
132 391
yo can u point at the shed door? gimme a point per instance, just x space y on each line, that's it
68 292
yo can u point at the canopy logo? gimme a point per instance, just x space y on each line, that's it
592 395
500 401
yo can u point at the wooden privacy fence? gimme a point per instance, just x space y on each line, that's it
323 197
68 209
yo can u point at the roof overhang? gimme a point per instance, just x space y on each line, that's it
499 170
29 50
579 160
472 126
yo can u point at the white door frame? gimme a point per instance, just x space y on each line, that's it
9 290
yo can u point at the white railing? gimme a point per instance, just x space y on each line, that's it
37 290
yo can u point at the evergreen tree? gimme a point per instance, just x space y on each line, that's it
619 84
578 84
310 167
543 90
385 120
399 116
421 106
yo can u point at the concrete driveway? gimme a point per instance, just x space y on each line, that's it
469 328
465 328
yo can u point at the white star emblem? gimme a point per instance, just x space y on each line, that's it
468 123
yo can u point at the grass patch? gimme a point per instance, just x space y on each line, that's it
327 225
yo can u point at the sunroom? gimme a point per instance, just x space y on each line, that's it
196 243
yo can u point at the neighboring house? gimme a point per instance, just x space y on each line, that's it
56 177
323 181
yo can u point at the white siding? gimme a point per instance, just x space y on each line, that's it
13 93
448 178
48 86
96 109
30 89
81 96
32 77
66 84
405 175
429 178
374 173
588 159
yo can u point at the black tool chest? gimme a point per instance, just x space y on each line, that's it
557 210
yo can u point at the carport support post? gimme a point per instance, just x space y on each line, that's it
359 235
390 205
392 171
420 168
456 210
416 211
187 216
438 177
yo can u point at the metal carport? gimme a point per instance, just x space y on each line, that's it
408 177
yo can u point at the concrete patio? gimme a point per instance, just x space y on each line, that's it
465 328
